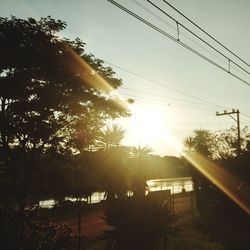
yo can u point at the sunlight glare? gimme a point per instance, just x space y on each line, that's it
222 178
147 122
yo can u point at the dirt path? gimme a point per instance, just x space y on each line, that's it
189 238
92 225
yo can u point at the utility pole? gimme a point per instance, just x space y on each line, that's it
237 112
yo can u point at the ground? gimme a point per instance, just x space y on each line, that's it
188 235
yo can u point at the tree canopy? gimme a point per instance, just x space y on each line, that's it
53 95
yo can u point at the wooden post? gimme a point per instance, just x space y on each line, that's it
79 225
192 201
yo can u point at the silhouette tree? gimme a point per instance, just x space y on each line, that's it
114 172
189 143
225 143
140 155
199 142
141 152
51 97
111 137
113 156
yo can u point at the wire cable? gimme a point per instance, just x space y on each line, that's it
197 26
201 39
169 104
165 97
174 28
175 40
164 85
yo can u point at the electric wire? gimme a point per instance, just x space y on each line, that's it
177 41
174 28
197 26
154 15
201 39
200 100
183 44
245 114
169 104
165 97
165 85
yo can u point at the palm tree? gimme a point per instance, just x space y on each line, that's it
114 153
140 155
189 143
199 142
114 172
111 137
141 152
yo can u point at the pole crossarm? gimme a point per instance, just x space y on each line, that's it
230 113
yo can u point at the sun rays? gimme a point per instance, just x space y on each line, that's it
149 123
224 180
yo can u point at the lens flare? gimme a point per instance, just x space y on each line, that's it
79 67
223 179
220 177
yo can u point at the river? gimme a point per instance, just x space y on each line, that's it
176 185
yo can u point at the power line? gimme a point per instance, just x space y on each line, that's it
246 115
174 28
165 97
164 85
177 41
201 39
153 14
169 104
197 26
161 96
201 101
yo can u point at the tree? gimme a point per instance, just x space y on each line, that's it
189 143
225 143
111 137
141 152
114 172
53 96
199 142
140 155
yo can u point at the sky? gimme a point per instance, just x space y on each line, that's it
159 74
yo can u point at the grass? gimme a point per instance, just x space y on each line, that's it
191 235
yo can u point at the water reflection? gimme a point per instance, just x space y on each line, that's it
176 185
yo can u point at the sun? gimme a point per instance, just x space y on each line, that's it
149 125
147 122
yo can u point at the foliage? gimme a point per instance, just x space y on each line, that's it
225 143
225 220
111 137
114 171
61 176
52 97
218 145
138 225
54 100
29 235
140 156
141 152
200 141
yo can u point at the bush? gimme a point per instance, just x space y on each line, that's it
138 225
23 233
